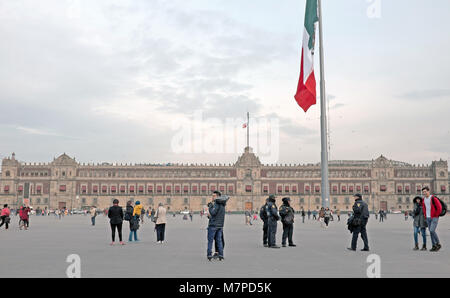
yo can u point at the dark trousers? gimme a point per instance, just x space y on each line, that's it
214 234
265 234
160 232
327 220
4 222
119 230
360 229
303 219
216 243
93 220
287 233
272 231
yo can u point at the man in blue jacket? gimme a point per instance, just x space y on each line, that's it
216 209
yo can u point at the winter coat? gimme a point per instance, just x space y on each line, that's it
436 207
115 214
217 212
161 215
419 218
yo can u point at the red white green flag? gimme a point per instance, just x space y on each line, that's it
306 90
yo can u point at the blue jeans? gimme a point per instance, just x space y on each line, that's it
424 235
432 225
135 236
93 220
215 234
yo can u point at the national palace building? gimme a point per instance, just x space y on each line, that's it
384 184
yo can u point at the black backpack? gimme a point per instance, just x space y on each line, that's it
444 207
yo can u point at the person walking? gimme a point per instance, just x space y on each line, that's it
287 214
5 216
359 222
406 215
419 224
216 210
309 214
161 221
264 218
327 216
93 212
24 217
314 214
338 214
381 213
432 209
273 218
115 215
304 215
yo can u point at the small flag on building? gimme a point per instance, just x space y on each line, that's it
306 90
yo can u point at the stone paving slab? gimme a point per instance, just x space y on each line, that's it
42 250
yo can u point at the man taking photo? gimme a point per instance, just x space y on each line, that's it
216 209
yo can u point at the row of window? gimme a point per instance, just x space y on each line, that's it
105 189
156 174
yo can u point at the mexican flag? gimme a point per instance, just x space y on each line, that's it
306 90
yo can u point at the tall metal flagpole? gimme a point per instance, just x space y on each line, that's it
248 131
323 121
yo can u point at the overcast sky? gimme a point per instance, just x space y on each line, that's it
118 81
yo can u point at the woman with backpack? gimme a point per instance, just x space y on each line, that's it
132 220
420 224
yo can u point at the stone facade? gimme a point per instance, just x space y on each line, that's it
384 183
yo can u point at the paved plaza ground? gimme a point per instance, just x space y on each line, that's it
42 250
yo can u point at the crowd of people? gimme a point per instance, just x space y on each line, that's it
425 214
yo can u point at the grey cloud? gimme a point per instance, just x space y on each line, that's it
426 94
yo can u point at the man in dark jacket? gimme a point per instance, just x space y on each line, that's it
360 219
216 210
273 218
287 219
264 218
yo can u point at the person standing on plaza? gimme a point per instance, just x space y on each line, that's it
264 218
360 219
115 214
303 215
129 211
216 210
420 223
314 214
432 209
309 214
222 200
381 213
273 218
142 214
321 218
287 214
24 217
152 215
161 221
327 216
338 214
5 216
93 212
406 215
